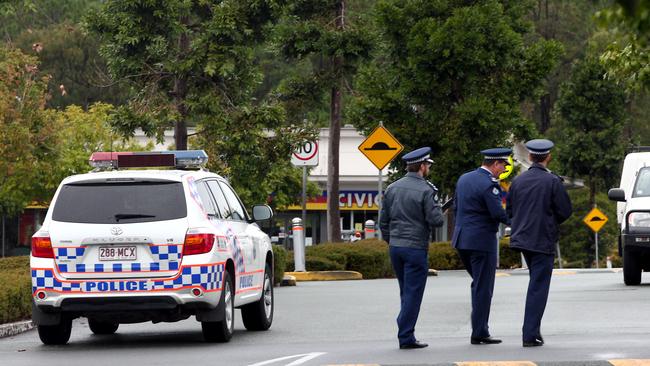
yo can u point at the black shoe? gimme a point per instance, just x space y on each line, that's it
414 345
484 340
534 343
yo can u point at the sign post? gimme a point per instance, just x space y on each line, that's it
595 219
306 155
380 147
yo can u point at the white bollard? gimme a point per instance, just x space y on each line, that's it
298 245
369 229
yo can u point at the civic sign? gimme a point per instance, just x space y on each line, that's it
595 219
306 154
380 147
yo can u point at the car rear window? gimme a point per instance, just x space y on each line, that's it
113 203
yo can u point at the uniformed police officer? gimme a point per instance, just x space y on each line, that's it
478 212
409 210
537 203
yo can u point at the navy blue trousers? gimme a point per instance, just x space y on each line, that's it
540 267
411 268
481 266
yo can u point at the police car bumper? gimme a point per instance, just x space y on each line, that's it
196 288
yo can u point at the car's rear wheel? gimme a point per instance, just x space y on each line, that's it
56 334
221 331
100 327
259 315
631 268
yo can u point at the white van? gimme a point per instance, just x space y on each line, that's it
633 216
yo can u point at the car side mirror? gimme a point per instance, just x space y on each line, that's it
616 194
262 213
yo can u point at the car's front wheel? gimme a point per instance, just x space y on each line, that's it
99 327
56 334
631 268
221 331
259 315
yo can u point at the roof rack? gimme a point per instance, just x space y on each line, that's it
180 159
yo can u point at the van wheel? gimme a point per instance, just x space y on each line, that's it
259 315
99 327
56 334
221 331
631 269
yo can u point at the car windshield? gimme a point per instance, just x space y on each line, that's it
112 203
642 185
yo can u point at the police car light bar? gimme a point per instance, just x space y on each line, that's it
182 159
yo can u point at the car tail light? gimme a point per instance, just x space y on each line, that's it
197 243
42 247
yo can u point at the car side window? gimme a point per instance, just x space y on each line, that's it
237 210
206 199
220 199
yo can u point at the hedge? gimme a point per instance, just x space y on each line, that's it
15 289
279 262
370 257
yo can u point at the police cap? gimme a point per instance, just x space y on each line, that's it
417 156
539 146
497 153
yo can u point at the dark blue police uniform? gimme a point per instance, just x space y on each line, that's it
537 203
478 212
409 210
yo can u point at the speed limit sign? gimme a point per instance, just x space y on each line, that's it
306 154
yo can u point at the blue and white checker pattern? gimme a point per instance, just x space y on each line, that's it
167 252
69 253
168 258
209 277
43 279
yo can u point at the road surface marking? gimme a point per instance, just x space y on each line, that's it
304 357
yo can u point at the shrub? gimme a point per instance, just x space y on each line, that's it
322 264
443 256
15 289
279 262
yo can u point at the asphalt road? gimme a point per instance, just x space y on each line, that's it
591 317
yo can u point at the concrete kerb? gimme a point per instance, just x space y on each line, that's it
11 329
560 272
325 276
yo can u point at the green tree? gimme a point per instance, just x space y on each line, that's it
571 23
189 58
81 133
589 133
193 62
327 45
452 75
78 74
27 132
627 58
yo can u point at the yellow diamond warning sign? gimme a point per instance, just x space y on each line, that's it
595 219
380 147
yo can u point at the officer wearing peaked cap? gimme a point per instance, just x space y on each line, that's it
538 204
478 212
409 211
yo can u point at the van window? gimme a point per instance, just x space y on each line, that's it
120 203
642 185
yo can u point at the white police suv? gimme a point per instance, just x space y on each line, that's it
126 246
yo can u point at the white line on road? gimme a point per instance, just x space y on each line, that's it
303 358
